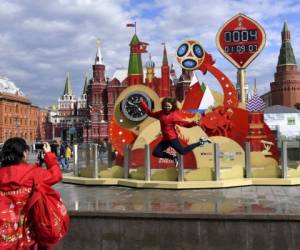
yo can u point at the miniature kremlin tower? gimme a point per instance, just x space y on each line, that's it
256 106
135 68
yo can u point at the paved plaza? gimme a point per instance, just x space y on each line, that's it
272 202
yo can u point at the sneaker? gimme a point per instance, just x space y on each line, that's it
175 159
204 140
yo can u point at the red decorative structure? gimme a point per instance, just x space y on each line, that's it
226 120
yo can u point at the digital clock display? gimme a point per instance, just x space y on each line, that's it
237 41
240 40
240 48
236 36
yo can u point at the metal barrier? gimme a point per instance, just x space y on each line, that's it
75 153
216 153
248 160
95 160
126 162
180 168
88 151
90 155
147 162
284 167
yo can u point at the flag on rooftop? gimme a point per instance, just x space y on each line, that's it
130 24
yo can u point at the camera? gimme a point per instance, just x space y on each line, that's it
39 146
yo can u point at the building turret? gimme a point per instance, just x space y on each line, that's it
98 67
165 75
286 55
68 86
285 88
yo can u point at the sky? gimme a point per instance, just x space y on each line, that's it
40 41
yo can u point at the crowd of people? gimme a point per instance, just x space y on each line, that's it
63 152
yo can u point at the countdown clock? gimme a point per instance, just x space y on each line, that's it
240 40
130 106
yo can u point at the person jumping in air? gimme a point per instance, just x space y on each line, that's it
169 117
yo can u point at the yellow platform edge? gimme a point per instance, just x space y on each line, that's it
181 185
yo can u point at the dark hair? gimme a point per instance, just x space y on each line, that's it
173 101
12 151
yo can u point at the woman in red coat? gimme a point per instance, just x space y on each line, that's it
16 181
169 117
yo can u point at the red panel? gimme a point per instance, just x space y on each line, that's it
119 136
137 158
193 97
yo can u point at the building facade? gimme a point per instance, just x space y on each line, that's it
18 117
69 116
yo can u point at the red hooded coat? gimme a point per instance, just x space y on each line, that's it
16 183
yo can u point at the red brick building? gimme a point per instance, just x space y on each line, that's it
18 117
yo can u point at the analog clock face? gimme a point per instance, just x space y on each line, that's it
131 108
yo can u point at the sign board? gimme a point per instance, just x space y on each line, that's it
240 40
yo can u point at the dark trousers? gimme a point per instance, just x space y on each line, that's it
159 150
38 248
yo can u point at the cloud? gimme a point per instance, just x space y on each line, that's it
41 25
7 9
42 40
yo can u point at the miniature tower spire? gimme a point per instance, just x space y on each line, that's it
68 86
165 57
165 75
255 88
135 67
149 65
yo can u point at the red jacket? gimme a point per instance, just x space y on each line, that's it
168 121
16 183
